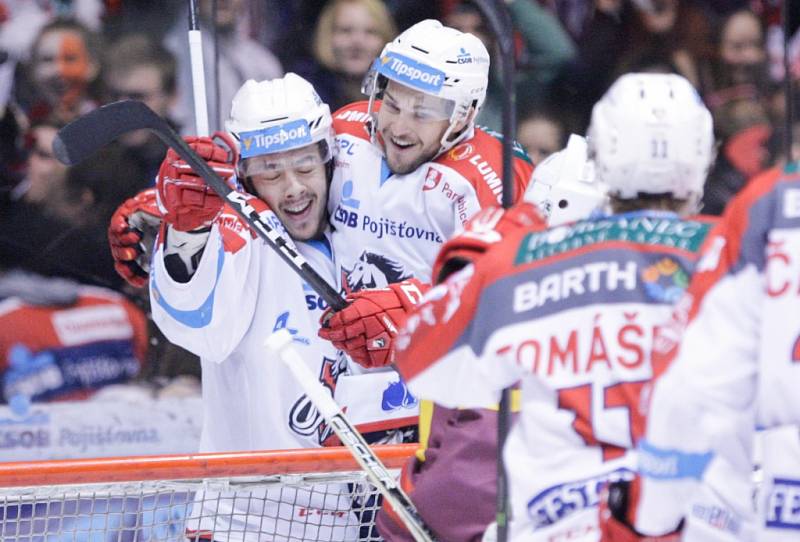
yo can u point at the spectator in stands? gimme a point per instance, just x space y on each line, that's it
621 36
137 67
56 227
240 58
738 66
657 43
743 130
541 132
547 50
349 35
45 174
62 75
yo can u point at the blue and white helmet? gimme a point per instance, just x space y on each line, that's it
651 134
278 115
436 60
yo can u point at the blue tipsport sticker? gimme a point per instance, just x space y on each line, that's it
275 138
410 72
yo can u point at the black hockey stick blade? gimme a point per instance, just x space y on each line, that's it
82 137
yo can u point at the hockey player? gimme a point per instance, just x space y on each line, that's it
218 291
728 363
572 310
452 478
412 168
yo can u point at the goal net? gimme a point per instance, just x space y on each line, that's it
293 495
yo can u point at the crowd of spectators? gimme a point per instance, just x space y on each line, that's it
60 59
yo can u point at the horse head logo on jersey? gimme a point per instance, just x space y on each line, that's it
372 271
304 419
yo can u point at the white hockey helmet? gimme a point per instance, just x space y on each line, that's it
651 134
563 185
439 61
278 115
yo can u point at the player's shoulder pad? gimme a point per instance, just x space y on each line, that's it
232 230
352 119
481 156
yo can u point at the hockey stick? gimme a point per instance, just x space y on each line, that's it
499 19
198 73
85 135
280 343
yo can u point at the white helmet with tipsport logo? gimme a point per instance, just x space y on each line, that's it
564 186
278 115
439 61
651 134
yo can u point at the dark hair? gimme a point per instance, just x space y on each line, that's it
719 75
111 175
657 202
135 50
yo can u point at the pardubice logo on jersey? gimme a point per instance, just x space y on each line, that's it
275 138
410 72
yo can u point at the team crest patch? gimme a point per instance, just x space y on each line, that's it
372 271
665 281
304 418
459 152
432 179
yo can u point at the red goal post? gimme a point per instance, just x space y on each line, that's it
308 494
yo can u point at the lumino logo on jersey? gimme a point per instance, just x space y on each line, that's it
410 72
275 138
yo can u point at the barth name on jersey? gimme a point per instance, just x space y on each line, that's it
404 219
583 304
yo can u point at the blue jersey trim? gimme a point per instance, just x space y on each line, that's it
323 245
663 464
201 316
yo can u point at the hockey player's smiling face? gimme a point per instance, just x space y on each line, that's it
294 185
411 125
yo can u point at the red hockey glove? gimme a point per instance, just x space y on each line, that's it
366 328
613 526
183 197
483 230
131 235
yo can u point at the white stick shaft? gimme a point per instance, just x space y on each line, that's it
280 342
198 83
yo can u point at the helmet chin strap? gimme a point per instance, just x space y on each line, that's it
466 132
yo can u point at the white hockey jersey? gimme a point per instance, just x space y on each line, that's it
240 293
388 227
730 365
572 312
